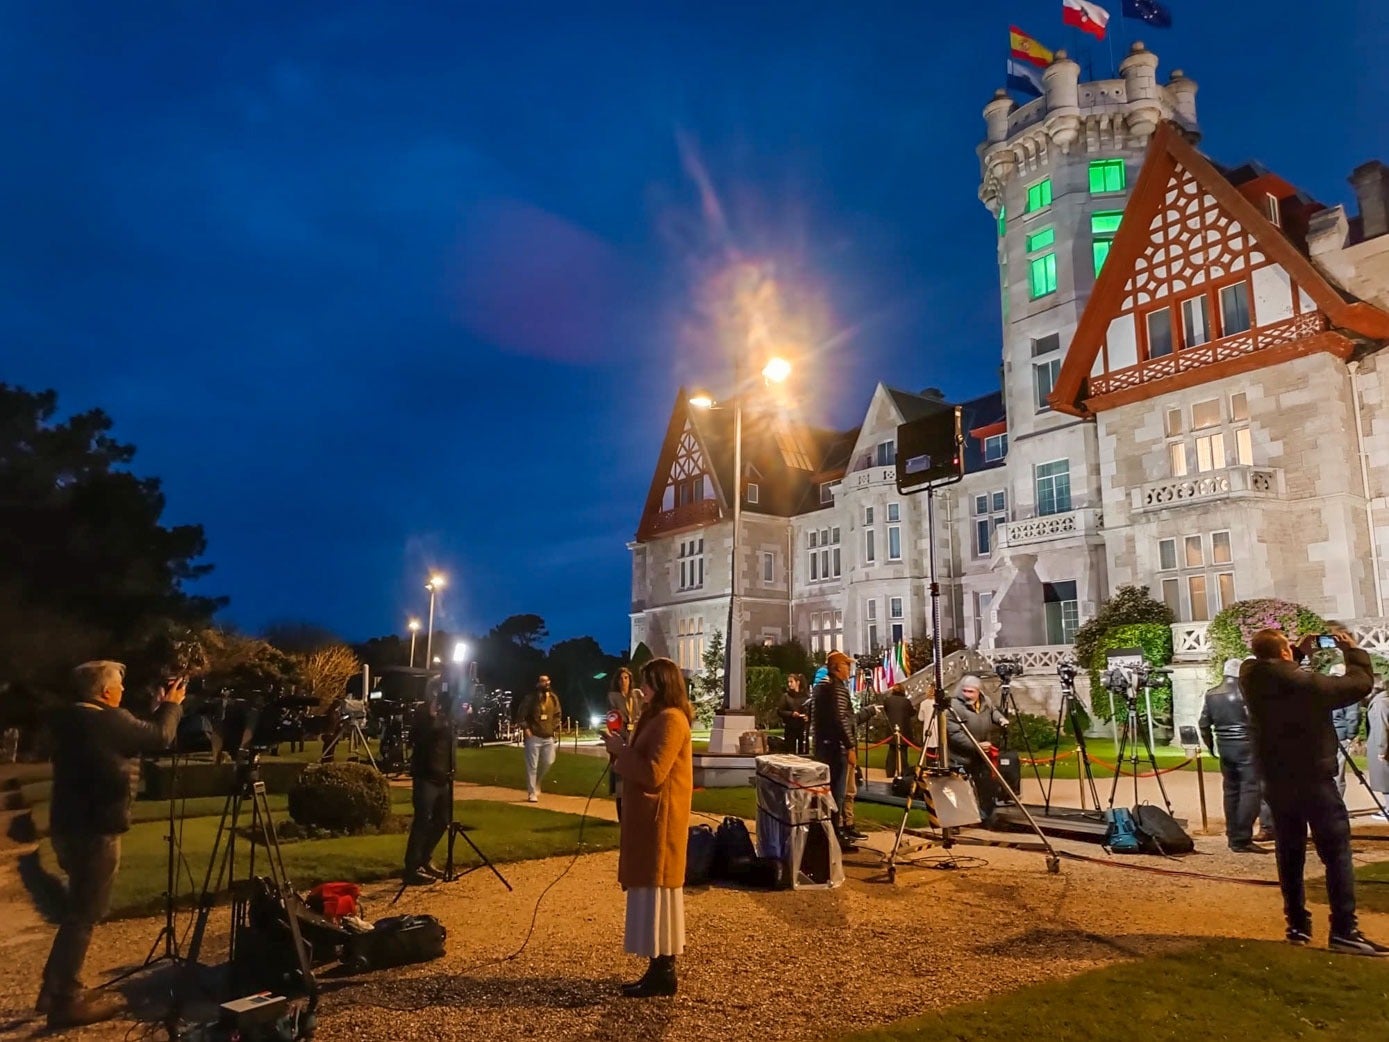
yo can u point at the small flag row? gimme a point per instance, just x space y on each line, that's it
1027 55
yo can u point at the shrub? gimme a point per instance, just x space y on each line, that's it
1128 605
1155 638
789 657
764 685
340 797
1036 732
1229 633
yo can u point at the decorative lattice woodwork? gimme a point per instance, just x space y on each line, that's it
689 458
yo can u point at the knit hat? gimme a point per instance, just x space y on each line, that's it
970 680
1232 666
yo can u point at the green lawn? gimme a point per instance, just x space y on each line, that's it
505 831
1224 989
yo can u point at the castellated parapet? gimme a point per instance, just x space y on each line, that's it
1075 118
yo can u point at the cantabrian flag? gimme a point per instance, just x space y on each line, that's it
1026 49
1085 16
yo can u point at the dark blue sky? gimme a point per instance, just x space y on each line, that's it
377 287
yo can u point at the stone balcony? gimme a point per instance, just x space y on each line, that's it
1214 485
691 515
1052 527
869 477
1191 644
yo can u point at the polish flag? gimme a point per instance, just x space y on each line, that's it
1085 16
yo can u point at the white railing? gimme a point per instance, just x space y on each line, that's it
1190 643
1231 483
869 477
1042 657
1053 526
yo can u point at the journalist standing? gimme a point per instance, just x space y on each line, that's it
835 734
95 742
657 768
1225 720
900 714
1294 741
431 762
795 715
540 722
626 703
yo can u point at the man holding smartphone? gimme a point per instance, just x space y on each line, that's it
95 742
1290 716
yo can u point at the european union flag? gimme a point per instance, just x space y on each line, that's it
1150 12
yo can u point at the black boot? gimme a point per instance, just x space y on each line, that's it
618 801
659 980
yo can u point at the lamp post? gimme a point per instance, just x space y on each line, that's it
435 584
414 626
774 372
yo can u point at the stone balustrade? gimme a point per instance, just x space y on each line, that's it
1230 483
1190 643
1052 526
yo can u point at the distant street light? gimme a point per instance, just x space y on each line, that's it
414 627
435 584
775 371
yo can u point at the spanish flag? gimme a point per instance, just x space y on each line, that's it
1026 49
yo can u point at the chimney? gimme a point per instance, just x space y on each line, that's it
1371 183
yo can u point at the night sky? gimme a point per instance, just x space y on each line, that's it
376 288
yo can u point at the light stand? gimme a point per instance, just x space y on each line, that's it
1360 776
943 713
1068 711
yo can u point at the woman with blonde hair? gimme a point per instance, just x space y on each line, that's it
657 769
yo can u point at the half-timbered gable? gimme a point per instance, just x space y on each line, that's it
1200 284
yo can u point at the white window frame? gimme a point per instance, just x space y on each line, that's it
894 536
754 492
768 567
996 447
870 546
1037 487
896 608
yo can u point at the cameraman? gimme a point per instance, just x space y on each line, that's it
1290 713
431 760
94 744
972 714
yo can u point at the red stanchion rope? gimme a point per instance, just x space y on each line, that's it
1143 774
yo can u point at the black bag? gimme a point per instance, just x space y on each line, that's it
1010 766
397 941
699 855
756 873
733 844
1159 832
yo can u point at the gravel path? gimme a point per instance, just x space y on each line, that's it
803 965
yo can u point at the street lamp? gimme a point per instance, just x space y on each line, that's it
435 584
414 626
774 372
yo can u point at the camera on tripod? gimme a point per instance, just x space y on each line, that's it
1007 669
1067 670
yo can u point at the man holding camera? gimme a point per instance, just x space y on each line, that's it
1294 740
95 742
431 762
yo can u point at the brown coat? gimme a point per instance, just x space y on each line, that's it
657 771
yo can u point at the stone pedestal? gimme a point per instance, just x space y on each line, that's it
728 727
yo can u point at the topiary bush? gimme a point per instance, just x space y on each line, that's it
1128 605
1229 633
340 797
1155 638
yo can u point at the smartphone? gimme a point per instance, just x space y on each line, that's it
1326 641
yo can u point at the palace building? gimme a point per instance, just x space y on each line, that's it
1194 398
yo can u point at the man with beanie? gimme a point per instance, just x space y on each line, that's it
1290 718
1224 726
972 714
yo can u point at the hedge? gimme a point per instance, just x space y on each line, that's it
1155 638
340 797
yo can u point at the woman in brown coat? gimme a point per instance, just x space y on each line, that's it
657 770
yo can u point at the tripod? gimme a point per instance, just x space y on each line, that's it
249 788
1008 706
456 829
1360 776
1069 710
1127 742
167 935
943 712
355 734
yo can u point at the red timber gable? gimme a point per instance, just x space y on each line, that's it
684 490
1198 285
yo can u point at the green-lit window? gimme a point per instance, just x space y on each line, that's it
1103 227
1041 272
1039 196
1002 221
1041 240
1106 175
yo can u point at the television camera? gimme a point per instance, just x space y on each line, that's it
1126 681
1066 671
1007 669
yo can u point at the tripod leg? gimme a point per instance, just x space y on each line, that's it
275 860
1152 759
1086 770
1055 749
1009 703
458 831
1119 763
1360 776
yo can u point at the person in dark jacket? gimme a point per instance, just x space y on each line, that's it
95 742
1225 719
900 714
1290 716
834 733
431 760
972 712
795 716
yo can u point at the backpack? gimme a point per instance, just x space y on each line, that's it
1121 832
732 844
397 941
1159 832
699 855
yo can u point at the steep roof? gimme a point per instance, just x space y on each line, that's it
1169 154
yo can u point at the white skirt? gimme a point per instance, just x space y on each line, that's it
655 921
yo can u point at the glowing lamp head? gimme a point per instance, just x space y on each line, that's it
702 400
776 370
414 625
436 582
460 653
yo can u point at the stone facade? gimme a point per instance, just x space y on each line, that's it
1272 481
